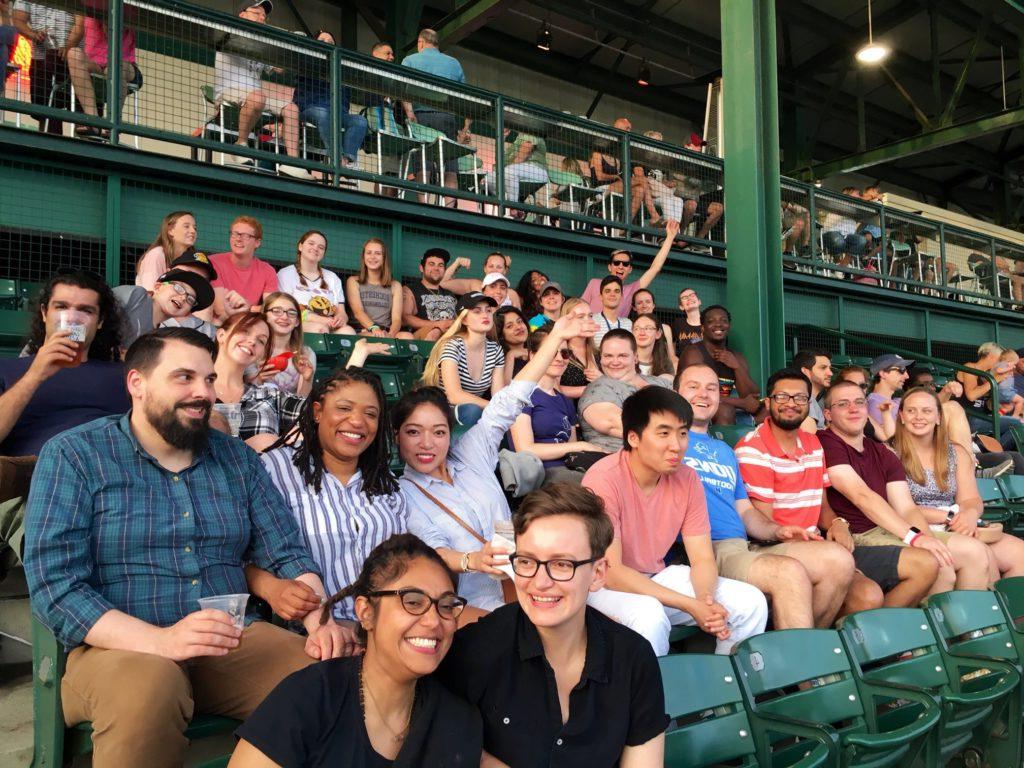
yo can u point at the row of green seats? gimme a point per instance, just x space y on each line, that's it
893 686
399 370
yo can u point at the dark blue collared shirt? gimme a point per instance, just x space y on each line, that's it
107 527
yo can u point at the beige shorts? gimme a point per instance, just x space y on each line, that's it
276 98
735 556
879 537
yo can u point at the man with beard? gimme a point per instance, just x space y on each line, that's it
427 308
131 520
805 578
817 367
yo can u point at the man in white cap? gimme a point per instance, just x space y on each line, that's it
495 261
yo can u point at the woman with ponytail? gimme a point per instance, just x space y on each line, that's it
382 708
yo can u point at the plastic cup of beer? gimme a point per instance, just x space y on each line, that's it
232 605
505 538
76 322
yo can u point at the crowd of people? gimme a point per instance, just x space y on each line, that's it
187 449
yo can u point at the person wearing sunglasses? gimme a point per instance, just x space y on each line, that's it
889 373
556 681
177 295
620 264
383 708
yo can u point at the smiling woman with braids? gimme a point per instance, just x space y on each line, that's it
383 708
332 469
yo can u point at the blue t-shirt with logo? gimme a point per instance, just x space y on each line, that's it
553 417
719 473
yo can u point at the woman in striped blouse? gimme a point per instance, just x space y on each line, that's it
333 471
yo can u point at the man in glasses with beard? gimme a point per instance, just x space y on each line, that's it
131 519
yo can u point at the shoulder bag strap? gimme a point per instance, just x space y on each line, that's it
450 514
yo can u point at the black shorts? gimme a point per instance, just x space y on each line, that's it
880 564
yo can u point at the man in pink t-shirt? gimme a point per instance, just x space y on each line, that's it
620 264
243 281
652 498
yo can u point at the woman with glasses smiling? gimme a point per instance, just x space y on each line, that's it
382 708
282 312
557 682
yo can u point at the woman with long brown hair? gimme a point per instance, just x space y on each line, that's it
374 295
178 232
318 290
283 314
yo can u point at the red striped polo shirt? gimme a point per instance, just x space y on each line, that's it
792 483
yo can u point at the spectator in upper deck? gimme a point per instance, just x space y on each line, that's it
526 161
49 29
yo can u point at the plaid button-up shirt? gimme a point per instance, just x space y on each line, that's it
106 527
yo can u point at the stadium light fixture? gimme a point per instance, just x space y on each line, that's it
544 37
872 53
643 77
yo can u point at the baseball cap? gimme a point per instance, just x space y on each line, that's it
550 284
266 5
493 277
882 362
190 256
440 253
198 283
474 299
697 140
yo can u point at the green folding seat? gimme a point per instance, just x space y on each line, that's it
729 433
971 624
710 725
804 677
897 646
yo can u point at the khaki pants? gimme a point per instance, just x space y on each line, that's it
139 704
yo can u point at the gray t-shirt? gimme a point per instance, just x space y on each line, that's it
816 412
376 300
56 22
608 390
137 305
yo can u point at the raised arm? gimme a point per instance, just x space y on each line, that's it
459 285
671 230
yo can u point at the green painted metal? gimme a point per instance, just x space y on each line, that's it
961 81
925 142
403 25
113 229
114 73
752 197
467 18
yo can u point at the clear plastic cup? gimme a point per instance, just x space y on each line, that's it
76 322
505 538
232 605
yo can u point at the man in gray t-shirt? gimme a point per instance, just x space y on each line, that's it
816 365
176 296
607 395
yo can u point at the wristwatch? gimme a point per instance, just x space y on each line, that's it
912 534
465 563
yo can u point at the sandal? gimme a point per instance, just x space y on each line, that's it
91 132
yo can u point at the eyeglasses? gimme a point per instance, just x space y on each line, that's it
565 353
781 398
281 312
242 236
842 405
559 569
617 263
417 602
181 290
644 329
863 385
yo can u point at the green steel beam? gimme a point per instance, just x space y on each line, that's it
925 142
752 198
467 18
403 25
961 81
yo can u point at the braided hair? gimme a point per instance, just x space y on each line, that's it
373 463
385 563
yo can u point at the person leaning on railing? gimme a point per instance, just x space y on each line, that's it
52 34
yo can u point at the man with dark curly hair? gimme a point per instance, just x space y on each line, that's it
72 373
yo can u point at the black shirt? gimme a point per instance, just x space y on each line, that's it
498 664
433 303
313 718
685 334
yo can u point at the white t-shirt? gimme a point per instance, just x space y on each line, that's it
288 281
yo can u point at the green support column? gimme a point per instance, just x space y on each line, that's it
751 121
112 233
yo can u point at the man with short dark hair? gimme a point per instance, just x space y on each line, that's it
816 365
427 308
620 264
131 520
610 317
652 498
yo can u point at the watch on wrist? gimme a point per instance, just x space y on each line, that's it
465 563
912 534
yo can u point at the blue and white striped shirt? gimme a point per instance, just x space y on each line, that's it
341 524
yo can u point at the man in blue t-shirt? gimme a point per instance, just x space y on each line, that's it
802 594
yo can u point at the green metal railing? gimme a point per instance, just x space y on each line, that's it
516 159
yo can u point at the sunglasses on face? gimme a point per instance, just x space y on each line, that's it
417 602
617 263
565 354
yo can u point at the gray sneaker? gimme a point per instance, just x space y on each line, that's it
999 469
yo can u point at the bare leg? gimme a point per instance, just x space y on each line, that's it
80 69
863 595
1008 553
715 211
689 211
428 334
830 568
970 558
290 120
786 583
917 571
250 112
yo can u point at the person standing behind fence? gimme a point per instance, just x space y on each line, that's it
50 32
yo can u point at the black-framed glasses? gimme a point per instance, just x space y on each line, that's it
559 569
781 398
243 236
417 602
182 291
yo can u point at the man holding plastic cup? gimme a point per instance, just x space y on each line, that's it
132 520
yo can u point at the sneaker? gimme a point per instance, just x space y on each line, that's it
294 171
699 248
999 469
240 160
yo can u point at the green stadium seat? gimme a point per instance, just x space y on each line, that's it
13 328
399 371
896 646
710 725
10 297
804 677
729 433
53 741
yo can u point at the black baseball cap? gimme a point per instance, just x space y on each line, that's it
191 257
266 5
474 299
440 253
198 283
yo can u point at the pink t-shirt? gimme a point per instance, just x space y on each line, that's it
152 265
252 283
592 295
97 49
647 525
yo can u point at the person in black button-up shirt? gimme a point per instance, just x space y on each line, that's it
558 683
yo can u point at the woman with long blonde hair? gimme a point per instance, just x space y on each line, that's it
582 368
374 296
466 362
940 474
178 232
